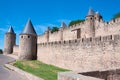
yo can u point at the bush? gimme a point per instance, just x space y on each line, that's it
1 52
75 22
117 15
54 29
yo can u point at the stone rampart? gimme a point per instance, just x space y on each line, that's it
15 50
71 33
86 54
54 36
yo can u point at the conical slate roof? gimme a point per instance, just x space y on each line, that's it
29 29
10 30
91 12
97 13
63 24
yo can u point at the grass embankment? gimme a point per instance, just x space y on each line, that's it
45 71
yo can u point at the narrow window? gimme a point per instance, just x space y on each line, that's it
64 42
82 39
21 36
28 36
90 39
100 38
111 37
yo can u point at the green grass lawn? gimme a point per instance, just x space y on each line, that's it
45 71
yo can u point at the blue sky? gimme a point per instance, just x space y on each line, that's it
44 13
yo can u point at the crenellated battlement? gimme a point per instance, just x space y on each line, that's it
83 30
97 41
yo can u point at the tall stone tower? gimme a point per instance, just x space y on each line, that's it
63 25
47 34
10 39
28 43
90 28
98 17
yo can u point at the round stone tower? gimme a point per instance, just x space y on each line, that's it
97 16
28 43
63 25
10 39
90 28
47 34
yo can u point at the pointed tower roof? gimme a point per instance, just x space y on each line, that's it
48 28
97 13
10 30
29 29
63 25
91 12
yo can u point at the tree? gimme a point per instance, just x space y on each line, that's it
1 52
54 29
117 15
75 22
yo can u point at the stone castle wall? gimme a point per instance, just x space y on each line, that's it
82 54
15 50
70 33
27 47
10 39
41 39
54 36
107 28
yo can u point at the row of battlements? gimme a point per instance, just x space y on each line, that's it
85 40
112 22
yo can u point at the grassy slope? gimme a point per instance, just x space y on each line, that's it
45 71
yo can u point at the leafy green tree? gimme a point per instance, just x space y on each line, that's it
117 15
75 22
1 52
54 29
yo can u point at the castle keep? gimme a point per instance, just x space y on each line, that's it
88 46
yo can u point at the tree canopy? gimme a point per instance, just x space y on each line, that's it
75 22
54 29
1 52
117 15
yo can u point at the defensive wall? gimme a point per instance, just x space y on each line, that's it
16 49
81 55
81 31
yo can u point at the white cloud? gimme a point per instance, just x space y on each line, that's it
40 28
3 29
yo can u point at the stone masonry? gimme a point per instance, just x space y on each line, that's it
91 45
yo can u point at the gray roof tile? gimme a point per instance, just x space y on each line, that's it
10 30
63 25
91 12
29 29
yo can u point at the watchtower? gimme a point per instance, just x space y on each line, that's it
90 28
10 39
28 43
